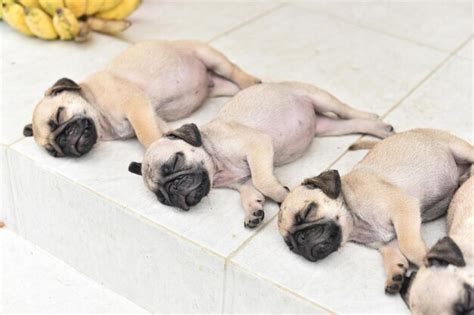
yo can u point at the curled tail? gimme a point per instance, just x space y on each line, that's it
363 145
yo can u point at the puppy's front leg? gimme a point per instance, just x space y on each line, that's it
326 126
252 201
395 265
260 159
222 66
406 218
147 125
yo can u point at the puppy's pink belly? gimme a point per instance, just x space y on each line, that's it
291 129
290 144
181 91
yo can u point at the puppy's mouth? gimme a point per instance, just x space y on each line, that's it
75 138
184 189
315 240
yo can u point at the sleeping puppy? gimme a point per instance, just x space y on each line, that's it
404 180
149 83
262 126
445 283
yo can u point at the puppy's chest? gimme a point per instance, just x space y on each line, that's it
371 232
232 173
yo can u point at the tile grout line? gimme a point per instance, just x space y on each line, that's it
391 109
247 22
429 75
14 202
224 288
369 28
283 288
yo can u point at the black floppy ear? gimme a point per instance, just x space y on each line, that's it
135 168
189 133
405 289
445 252
63 84
28 130
329 182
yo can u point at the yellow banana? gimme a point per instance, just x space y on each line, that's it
78 7
15 17
4 3
108 26
93 6
50 6
29 3
40 24
109 4
121 11
65 24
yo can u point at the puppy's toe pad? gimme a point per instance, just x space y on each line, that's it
393 288
253 220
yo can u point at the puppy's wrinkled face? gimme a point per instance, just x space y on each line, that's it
310 217
177 172
441 290
444 285
64 123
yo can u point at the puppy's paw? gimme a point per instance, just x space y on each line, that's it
279 193
249 81
252 220
385 130
395 279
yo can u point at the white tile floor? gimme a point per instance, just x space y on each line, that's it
409 61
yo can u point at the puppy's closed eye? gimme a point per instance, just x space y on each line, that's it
54 124
58 115
301 217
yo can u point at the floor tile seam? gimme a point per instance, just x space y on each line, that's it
370 28
247 22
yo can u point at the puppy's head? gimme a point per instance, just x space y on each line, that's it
64 123
177 168
442 285
311 218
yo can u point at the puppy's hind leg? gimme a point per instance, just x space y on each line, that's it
324 102
395 265
222 87
252 201
326 126
463 151
218 63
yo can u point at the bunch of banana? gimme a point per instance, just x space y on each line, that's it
67 19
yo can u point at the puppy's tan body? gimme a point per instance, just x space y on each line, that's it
404 180
265 125
149 83
448 288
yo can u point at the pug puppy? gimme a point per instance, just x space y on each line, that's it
445 282
404 180
262 126
138 91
